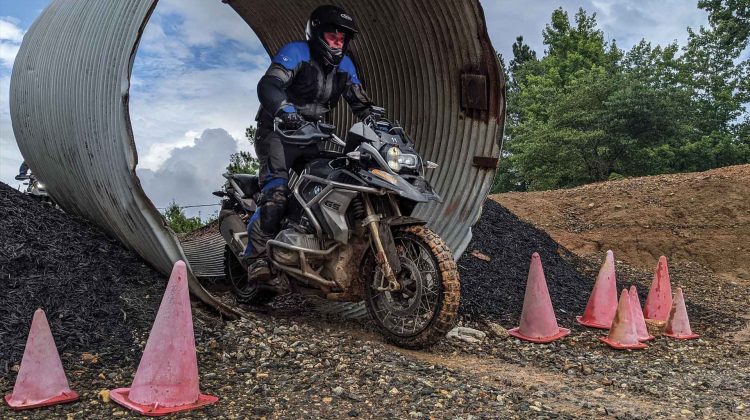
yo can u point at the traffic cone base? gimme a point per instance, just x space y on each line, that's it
561 332
121 396
648 338
591 323
621 346
63 398
602 305
682 336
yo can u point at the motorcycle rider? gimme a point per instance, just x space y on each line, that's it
303 83
23 172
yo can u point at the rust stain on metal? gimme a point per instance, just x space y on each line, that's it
487 162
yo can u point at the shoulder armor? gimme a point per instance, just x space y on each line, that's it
347 66
292 54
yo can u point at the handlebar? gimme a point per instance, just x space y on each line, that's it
308 133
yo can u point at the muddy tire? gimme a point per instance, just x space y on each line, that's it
430 281
236 277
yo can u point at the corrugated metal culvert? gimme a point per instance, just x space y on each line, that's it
430 63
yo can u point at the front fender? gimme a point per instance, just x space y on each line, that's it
395 221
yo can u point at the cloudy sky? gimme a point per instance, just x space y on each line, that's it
194 77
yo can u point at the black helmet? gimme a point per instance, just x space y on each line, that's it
329 19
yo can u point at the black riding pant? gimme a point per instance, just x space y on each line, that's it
276 158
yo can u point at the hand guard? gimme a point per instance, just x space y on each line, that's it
290 121
372 111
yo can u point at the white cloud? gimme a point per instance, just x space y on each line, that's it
661 22
162 111
9 30
627 21
10 41
208 25
191 173
8 54
197 67
10 156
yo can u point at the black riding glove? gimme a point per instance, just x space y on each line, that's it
291 120
373 111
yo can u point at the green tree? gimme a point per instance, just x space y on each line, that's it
178 221
730 20
587 111
245 162
250 134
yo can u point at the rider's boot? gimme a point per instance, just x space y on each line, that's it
259 271
264 225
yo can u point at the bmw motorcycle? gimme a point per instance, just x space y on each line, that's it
348 234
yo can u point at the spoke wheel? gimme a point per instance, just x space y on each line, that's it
424 310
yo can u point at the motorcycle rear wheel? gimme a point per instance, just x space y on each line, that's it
425 310
243 290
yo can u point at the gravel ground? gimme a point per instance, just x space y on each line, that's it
290 363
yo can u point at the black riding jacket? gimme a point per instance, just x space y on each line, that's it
296 80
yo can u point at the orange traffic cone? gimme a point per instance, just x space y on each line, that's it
659 300
167 377
538 322
622 335
41 380
678 325
602 305
640 322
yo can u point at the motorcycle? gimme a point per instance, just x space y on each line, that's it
348 234
35 189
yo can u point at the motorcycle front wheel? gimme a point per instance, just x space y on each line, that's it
424 310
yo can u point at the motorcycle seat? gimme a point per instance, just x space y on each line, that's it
248 184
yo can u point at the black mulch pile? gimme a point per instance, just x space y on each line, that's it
97 295
495 288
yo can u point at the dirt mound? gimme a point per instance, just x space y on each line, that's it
695 217
97 295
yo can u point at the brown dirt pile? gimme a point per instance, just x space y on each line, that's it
699 217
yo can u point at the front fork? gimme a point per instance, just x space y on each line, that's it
373 222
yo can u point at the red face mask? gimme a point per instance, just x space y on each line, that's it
334 39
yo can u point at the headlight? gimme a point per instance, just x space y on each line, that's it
398 160
393 154
409 161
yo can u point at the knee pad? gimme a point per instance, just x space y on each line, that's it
273 209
